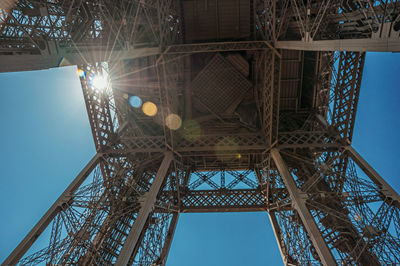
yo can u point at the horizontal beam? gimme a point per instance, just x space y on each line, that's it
251 143
356 45
225 209
27 62
219 47
230 200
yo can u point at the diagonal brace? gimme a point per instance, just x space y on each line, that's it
148 205
318 241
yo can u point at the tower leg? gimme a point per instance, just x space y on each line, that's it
318 241
386 189
38 229
144 212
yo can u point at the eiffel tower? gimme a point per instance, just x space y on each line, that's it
212 106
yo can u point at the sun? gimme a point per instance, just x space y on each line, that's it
100 82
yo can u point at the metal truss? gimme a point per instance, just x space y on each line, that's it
219 47
296 165
341 26
45 34
337 212
346 92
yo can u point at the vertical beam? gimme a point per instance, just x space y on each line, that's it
298 200
386 189
38 229
144 212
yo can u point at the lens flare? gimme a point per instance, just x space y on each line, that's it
173 121
191 130
81 73
135 101
226 147
149 109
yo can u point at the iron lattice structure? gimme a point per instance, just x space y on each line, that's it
267 92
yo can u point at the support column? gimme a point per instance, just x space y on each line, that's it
144 212
38 229
299 203
386 189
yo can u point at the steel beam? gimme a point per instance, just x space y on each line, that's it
299 203
356 45
386 189
38 229
144 212
26 62
220 47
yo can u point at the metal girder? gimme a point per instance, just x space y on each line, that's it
64 199
386 189
145 210
265 20
219 47
228 200
346 92
239 143
45 34
309 139
341 203
99 108
346 45
25 62
340 26
231 142
299 202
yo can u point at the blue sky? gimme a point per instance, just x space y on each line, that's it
47 141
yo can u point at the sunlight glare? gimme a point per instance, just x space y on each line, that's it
100 81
